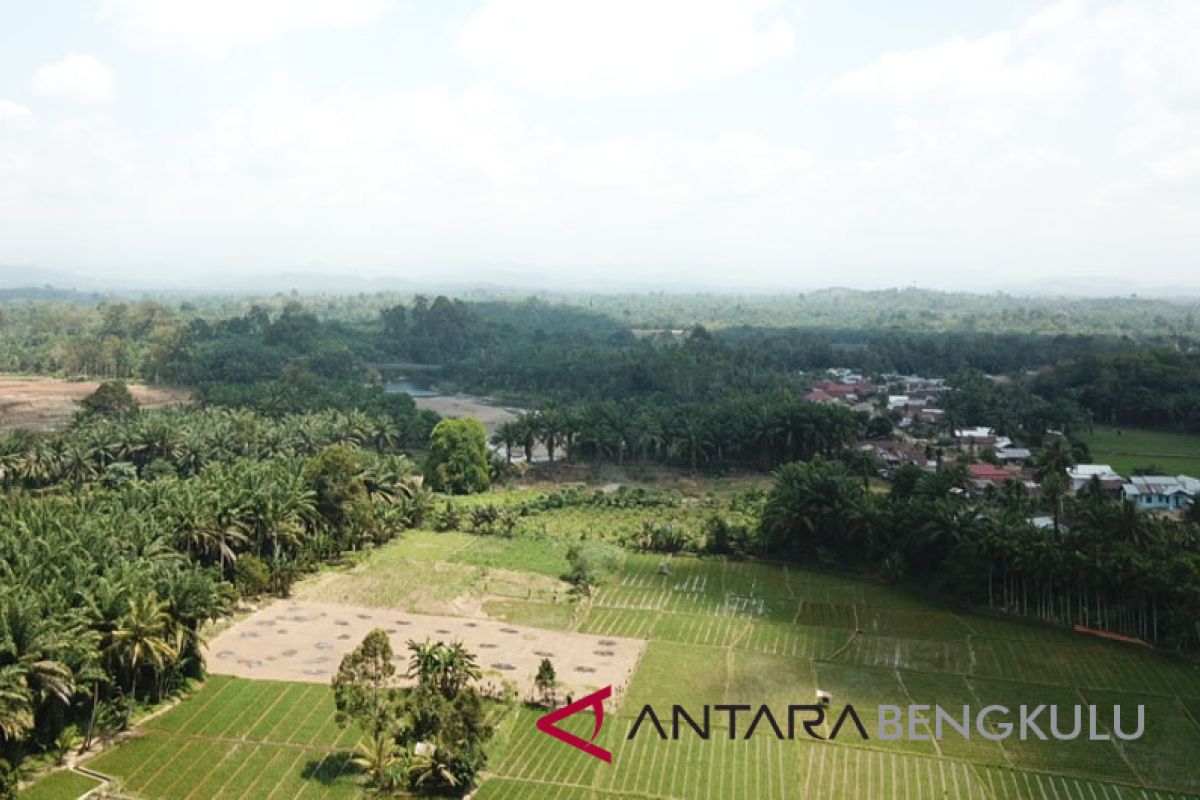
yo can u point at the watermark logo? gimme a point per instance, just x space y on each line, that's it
594 701
914 722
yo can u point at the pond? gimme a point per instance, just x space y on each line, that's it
414 387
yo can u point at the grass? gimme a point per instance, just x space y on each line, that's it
425 572
1126 449
60 785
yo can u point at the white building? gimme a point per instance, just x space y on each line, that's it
1082 474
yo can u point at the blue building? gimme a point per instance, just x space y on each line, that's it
1161 492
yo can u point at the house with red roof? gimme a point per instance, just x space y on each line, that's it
984 475
820 396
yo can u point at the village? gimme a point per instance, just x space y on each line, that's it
908 427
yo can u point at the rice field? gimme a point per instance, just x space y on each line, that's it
239 740
737 632
720 632
60 785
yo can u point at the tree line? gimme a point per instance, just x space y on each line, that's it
756 431
1103 564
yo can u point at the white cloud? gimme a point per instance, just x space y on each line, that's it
212 27
80 77
612 46
14 111
1181 167
991 66
1066 48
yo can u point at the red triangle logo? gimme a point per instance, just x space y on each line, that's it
594 701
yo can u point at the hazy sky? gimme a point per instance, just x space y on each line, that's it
741 143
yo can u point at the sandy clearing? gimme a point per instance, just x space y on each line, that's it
481 408
296 640
462 405
47 403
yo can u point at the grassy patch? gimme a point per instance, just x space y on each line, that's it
60 785
1128 448
555 616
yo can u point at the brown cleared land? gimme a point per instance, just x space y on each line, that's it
304 641
47 403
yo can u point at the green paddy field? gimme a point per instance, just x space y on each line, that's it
1127 449
719 631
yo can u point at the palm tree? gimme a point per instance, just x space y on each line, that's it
143 638
431 767
425 663
506 435
553 424
1055 457
458 667
16 704
1129 524
36 647
377 757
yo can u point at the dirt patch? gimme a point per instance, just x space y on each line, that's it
481 408
461 405
293 640
49 403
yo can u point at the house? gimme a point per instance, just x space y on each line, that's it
842 391
931 416
894 455
1082 475
972 440
1161 492
1014 455
897 402
984 475
1045 522
909 384
820 396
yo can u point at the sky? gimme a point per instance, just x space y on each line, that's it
736 144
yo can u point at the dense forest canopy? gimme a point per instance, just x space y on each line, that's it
288 354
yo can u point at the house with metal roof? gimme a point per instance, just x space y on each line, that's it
1082 475
1161 492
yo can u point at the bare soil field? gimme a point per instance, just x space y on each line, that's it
461 405
48 403
481 408
295 640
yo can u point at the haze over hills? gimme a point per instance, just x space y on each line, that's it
520 283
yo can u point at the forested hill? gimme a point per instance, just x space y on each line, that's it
294 354
903 309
